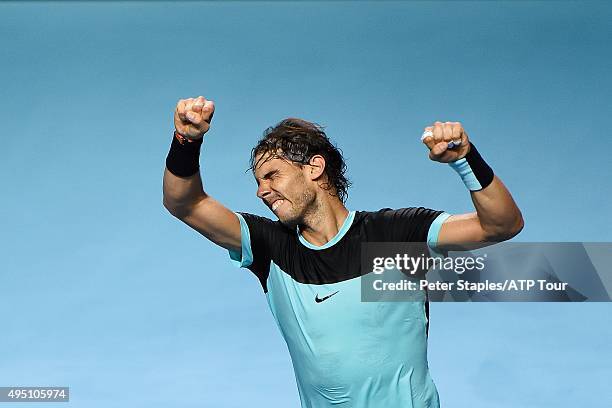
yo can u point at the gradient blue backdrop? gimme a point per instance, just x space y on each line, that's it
103 291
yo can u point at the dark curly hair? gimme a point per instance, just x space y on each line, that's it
297 140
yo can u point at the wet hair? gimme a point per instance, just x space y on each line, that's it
298 140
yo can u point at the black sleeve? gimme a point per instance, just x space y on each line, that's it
406 224
264 236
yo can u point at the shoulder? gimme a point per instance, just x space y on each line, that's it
389 215
258 220
402 224
264 228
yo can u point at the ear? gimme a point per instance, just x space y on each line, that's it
316 167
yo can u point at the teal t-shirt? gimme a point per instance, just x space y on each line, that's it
345 352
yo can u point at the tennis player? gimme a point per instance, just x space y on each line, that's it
345 352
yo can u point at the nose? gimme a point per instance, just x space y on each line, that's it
263 190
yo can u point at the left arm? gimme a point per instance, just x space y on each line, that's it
497 217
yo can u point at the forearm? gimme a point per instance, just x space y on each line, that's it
182 184
497 217
498 214
182 193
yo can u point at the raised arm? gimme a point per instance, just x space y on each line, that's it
497 217
184 195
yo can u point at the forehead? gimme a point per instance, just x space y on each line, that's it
266 163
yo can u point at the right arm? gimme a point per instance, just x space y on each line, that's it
184 195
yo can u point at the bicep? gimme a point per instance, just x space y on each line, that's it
216 222
462 231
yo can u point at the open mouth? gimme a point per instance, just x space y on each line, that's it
277 204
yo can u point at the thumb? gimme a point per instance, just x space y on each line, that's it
438 150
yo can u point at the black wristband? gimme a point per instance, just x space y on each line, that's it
482 171
474 171
183 160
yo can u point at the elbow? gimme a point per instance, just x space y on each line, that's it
183 209
173 209
506 231
516 228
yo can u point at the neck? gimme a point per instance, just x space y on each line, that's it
323 223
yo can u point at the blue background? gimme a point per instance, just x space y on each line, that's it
104 291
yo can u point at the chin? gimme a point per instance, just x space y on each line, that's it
291 224
289 221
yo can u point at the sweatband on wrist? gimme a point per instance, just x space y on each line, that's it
183 160
473 170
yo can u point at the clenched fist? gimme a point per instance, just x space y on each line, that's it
447 142
192 117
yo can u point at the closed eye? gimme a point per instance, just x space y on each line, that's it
270 174
267 176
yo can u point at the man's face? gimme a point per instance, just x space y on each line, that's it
284 188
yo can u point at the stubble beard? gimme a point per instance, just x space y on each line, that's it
303 208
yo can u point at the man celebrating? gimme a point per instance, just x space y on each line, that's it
345 353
